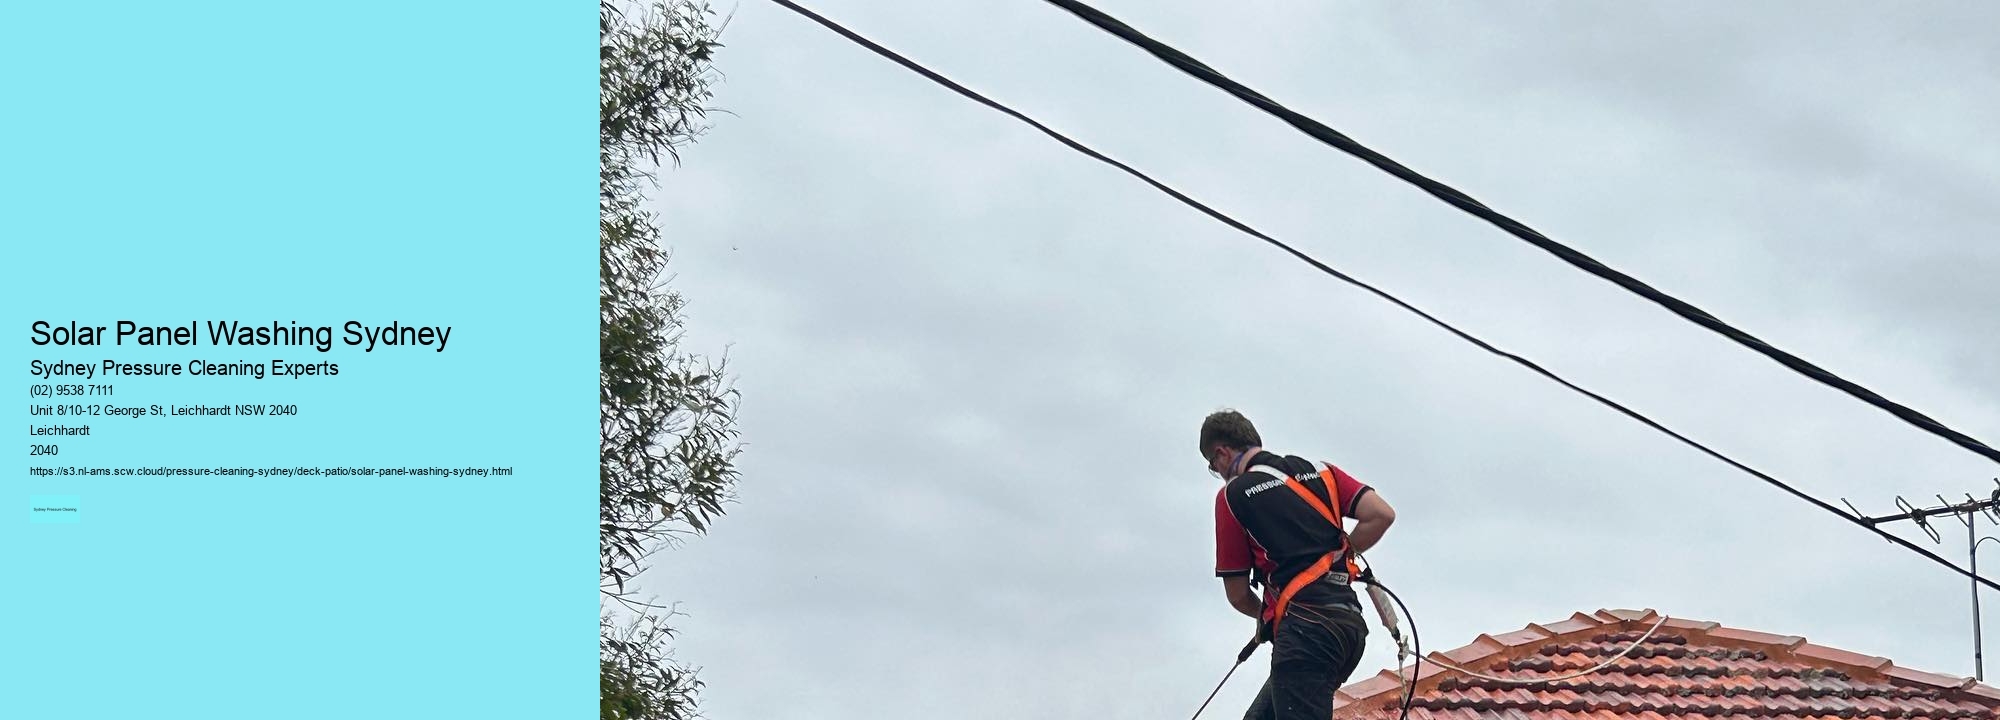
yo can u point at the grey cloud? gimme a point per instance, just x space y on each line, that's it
973 362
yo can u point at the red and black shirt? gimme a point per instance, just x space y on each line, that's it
1262 526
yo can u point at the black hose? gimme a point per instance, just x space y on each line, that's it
1416 647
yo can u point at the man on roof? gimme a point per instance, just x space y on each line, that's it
1279 522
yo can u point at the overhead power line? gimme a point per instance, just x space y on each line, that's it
933 76
1514 227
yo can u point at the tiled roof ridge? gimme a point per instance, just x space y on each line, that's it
1501 654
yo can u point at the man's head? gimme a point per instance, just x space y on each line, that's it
1225 436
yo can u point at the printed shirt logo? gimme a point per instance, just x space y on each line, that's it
1268 484
1261 487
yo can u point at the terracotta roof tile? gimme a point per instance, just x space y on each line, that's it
1984 692
1688 670
1620 615
1480 648
1567 626
1842 657
1931 679
1384 681
1521 637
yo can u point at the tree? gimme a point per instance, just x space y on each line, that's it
668 438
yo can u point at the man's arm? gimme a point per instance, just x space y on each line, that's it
1233 558
1241 597
1372 518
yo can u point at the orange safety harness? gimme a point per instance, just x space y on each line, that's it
1275 611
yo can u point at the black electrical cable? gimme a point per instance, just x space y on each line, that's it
1514 227
933 76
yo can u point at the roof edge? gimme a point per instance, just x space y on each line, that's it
1384 689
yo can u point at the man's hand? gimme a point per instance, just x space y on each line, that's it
1237 587
1372 518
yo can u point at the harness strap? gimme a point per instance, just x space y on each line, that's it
1324 564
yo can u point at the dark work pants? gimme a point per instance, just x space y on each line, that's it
1316 649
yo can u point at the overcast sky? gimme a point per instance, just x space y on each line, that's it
974 362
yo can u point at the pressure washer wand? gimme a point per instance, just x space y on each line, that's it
1248 649
1241 657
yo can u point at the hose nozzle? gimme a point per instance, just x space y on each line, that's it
1386 609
